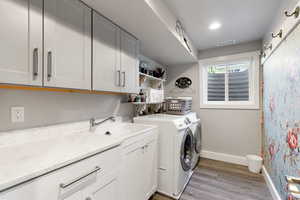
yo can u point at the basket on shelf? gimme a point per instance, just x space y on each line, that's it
179 106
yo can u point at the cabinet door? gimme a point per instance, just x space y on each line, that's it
150 169
129 63
106 55
67 25
132 174
21 42
104 191
75 196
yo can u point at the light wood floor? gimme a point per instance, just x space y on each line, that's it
215 180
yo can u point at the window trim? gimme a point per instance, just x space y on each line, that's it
254 80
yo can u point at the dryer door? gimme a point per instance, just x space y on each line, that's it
197 138
197 145
186 152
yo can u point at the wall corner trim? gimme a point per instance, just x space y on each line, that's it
270 184
240 160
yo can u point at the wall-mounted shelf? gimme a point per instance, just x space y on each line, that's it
151 77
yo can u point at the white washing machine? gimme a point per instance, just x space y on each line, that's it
176 151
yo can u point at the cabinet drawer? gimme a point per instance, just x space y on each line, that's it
147 136
67 181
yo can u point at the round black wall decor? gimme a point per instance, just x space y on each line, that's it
183 82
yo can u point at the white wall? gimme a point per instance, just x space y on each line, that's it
229 50
234 132
48 108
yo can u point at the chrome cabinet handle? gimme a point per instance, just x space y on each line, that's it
119 78
66 185
49 66
35 63
124 79
295 13
278 34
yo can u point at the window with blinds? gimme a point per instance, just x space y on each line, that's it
228 82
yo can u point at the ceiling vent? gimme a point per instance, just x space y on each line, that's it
226 43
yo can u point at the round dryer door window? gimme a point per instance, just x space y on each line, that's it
186 153
197 138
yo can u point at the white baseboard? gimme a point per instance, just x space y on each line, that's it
240 160
270 184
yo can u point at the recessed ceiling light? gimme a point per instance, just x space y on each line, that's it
215 25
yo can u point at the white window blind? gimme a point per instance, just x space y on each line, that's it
216 83
230 82
238 82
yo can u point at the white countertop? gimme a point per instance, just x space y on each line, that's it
31 153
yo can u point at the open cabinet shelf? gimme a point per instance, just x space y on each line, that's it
151 77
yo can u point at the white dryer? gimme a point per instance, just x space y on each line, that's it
176 152
196 129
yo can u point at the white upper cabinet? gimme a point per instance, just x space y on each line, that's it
67 40
129 63
21 42
115 57
106 55
65 60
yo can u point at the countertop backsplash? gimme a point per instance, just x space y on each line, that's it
51 108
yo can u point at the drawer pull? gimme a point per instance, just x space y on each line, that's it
278 34
66 185
295 13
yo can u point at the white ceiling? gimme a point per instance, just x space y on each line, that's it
242 20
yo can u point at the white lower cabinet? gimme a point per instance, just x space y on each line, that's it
127 172
139 168
88 179
150 167
106 189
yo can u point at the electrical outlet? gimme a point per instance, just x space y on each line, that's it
17 114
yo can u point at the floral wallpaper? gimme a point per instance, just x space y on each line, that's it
282 112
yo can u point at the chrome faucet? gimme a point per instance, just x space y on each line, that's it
93 122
